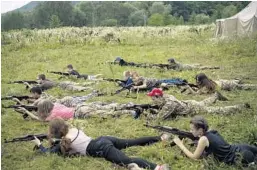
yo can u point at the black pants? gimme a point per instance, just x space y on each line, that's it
248 153
109 148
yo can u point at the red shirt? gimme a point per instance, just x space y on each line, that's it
62 111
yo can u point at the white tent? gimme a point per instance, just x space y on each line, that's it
244 22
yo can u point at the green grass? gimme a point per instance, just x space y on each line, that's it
25 59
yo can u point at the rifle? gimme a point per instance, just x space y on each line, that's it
139 108
23 81
41 137
128 87
60 73
18 97
27 107
84 76
114 80
24 115
181 134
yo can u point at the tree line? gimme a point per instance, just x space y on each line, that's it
51 14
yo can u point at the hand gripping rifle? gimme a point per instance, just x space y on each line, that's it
41 137
181 134
23 81
27 107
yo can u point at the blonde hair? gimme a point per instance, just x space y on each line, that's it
44 108
126 73
134 74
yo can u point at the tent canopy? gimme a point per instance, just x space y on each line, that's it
244 22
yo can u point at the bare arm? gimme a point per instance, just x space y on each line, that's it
29 113
202 143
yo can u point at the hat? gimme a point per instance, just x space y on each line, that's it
155 92
118 59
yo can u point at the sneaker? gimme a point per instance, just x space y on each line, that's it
220 96
166 136
133 166
164 167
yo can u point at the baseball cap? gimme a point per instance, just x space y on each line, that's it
155 92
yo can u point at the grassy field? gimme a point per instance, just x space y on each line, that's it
27 53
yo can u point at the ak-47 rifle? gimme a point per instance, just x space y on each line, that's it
27 107
181 134
139 108
23 81
114 80
60 73
41 137
127 87
84 76
18 97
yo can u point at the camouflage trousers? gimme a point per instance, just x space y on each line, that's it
72 86
202 106
235 84
194 66
73 101
100 109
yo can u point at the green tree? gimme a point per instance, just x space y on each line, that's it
181 20
229 11
54 21
157 7
202 19
78 17
192 18
156 20
12 20
137 18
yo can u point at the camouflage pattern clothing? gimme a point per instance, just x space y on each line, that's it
68 85
73 101
172 107
68 101
180 66
235 84
101 109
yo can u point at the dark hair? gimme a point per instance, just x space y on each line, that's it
42 76
70 66
58 128
36 89
200 122
203 81
171 60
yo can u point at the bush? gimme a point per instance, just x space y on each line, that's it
109 22
201 19
156 20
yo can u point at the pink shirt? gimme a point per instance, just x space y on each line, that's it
62 111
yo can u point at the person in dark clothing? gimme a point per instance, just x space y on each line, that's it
213 143
72 71
43 83
75 141
75 73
